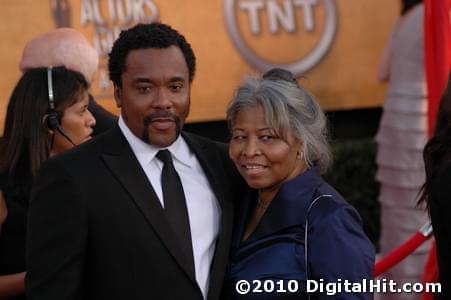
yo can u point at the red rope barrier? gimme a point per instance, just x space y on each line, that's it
403 251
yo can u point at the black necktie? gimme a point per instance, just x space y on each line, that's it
175 204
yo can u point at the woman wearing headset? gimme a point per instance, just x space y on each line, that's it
47 114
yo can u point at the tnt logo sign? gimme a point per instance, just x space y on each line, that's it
293 34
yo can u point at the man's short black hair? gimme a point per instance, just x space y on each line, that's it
144 36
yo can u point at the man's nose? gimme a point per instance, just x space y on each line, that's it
162 99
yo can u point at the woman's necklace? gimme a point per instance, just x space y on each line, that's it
262 204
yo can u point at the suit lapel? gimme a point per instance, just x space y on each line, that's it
120 159
210 159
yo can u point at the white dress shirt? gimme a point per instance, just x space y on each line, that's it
203 209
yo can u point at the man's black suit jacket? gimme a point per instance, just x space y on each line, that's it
97 230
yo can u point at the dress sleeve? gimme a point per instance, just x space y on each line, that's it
383 72
57 237
339 251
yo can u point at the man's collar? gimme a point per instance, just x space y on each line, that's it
146 152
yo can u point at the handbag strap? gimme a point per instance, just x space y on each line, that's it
306 235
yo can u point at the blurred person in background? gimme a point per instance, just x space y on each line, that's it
68 47
34 132
292 225
401 137
436 190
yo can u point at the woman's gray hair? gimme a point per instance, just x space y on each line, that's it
287 106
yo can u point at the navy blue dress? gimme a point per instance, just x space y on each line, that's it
337 247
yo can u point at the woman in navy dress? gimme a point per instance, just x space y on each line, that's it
294 231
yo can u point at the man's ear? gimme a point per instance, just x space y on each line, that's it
118 96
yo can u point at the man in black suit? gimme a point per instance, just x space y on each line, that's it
102 225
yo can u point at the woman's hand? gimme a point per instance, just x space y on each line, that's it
12 285
3 210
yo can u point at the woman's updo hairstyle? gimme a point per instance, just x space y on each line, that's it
288 107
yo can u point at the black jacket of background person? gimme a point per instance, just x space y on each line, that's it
104 119
440 207
97 229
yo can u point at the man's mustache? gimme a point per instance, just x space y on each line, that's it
160 114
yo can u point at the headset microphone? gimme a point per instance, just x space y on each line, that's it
53 117
65 135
